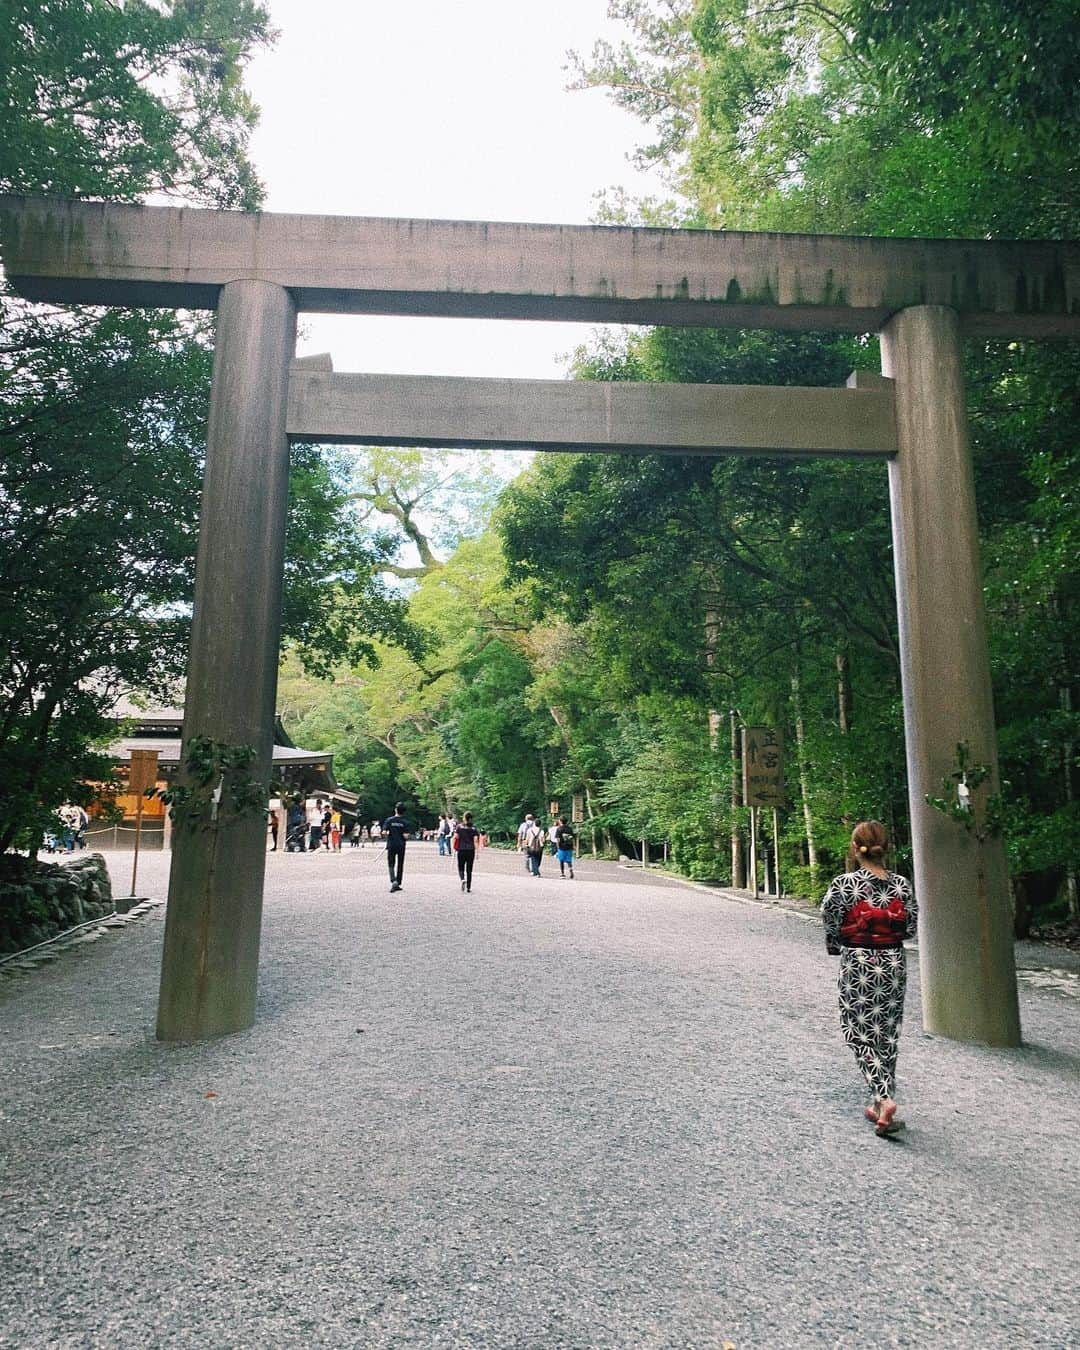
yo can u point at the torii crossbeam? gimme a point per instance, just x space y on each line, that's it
258 270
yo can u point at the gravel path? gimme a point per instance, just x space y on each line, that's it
613 1112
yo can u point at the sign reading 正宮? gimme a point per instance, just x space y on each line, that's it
763 767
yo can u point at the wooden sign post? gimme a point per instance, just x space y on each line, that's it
763 783
142 775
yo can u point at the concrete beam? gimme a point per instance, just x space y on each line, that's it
588 415
74 251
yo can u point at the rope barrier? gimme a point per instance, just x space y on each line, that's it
129 829
103 922
90 923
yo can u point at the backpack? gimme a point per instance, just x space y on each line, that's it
534 839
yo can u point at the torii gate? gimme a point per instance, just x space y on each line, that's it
258 270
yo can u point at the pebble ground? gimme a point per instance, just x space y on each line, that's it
614 1112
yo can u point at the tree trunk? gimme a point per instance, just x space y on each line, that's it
843 693
1072 890
589 811
804 778
738 865
712 623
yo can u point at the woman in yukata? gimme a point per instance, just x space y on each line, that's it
867 914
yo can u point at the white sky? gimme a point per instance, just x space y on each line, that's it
432 108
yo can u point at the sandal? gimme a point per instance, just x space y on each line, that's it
887 1123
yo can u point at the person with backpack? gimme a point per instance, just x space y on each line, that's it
465 842
396 830
525 825
532 841
867 914
451 826
564 847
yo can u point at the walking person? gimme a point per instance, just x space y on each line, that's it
867 915
335 830
533 843
396 830
466 840
526 825
442 835
564 847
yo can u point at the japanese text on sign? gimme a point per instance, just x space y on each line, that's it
763 767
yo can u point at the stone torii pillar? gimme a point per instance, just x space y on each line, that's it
210 964
965 934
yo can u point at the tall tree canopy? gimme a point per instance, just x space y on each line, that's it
117 99
103 413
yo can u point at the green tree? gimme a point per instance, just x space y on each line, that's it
120 100
930 118
102 414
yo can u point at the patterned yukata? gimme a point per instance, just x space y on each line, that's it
872 979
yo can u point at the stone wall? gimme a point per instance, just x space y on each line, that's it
39 900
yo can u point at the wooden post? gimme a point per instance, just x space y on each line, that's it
138 836
753 887
776 851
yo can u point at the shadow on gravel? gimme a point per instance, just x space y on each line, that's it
1047 1058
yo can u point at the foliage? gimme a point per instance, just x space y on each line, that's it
917 118
119 101
215 786
103 414
622 615
964 802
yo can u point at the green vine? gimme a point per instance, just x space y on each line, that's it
961 794
218 787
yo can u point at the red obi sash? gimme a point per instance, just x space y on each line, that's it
867 925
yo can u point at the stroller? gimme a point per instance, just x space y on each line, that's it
296 837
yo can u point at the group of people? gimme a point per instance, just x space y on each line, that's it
559 838
445 831
69 831
459 839
868 913
310 827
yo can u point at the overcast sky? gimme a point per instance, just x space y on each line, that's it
445 110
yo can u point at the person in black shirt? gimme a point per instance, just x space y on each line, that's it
396 829
465 837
